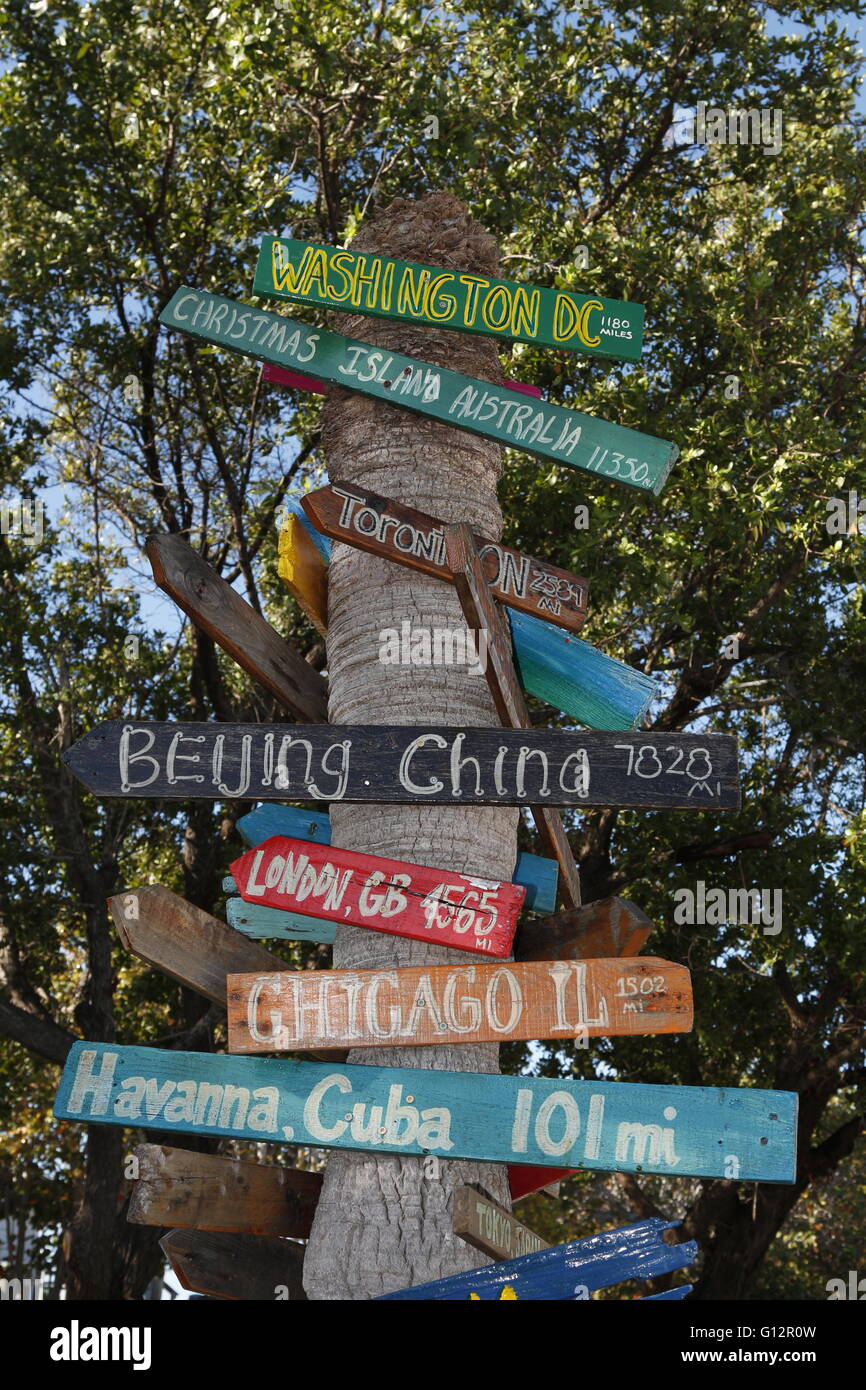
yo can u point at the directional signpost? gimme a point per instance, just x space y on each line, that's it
483 617
214 606
206 1192
304 573
692 1131
236 1266
413 539
387 895
537 875
333 278
304 1009
567 1272
608 927
408 764
548 431
576 974
487 1226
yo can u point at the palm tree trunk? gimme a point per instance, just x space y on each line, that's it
384 1222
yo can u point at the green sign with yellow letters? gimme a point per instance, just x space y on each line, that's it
355 280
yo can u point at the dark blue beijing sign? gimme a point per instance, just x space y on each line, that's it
440 766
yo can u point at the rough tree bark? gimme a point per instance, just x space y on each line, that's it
381 1223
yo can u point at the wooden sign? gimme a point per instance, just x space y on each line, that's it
468 403
609 927
484 618
566 1272
488 1227
411 764
532 872
214 606
205 1192
278 376
411 538
182 941
236 1266
272 924
417 1005
692 1131
465 911
200 951
594 688
307 273
304 573
573 676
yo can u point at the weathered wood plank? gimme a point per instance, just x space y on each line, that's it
692 1131
272 923
573 676
566 1272
184 942
488 1227
213 605
431 765
548 431
299 1010
236 1266
188 944
304 572
417 541
608 927
206 1192
387 895
306 272
484 618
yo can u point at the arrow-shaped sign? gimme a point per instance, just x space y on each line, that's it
687 1131
538 427
566 1272
465 911
302 1010
411 538
408 765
